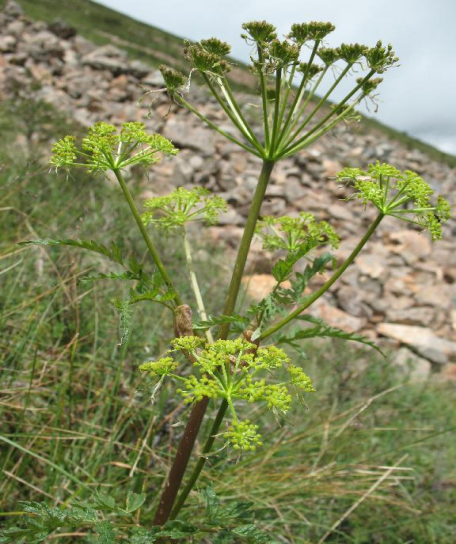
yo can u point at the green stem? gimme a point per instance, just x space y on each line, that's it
233 116
264 100
318 133
318 106
215 127
293 146
328 284
244 247
195 285
300 112
301 90
201 461
230 98
275 126
145 235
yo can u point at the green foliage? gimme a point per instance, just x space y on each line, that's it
106 148
183 206
403 195
321 329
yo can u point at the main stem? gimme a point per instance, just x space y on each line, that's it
244 248
328 284
196 417
145 235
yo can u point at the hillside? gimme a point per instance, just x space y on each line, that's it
149 44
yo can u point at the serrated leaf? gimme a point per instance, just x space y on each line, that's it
110 276
140 535
213 321
113 253
125 319
251 534
177 529
134 501
106 532
225 536
282 270
105 502
324 330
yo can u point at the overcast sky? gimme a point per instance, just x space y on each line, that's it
419 97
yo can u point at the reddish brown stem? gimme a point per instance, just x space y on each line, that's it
180 462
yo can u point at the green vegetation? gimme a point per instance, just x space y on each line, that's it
76 416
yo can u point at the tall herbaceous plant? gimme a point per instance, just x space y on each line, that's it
235 359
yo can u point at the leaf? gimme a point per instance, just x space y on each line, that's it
125 317
250 533
212 321
113 253
134 501
324 330
106 532
105 502
302 279
176 529
140 535
111 276
225 536
281 270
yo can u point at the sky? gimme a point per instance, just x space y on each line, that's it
418 97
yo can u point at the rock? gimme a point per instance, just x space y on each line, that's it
258 286
441 296
372 265
421 340
62 29
201 139
42 45
337 318
416 368
7 44
13 10
411 245
416 315
154 79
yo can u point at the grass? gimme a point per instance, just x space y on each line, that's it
103 25
76 415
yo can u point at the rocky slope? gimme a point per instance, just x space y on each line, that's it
402 288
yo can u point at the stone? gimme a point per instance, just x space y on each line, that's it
416 315
442 296
62 29
372 265
7 44
411 245
350 300
13 9
414 367
154 79
421 340
259 286
337 318
201 140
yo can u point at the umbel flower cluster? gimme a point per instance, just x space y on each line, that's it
183 206
289 74
234 370
296 234
403 195
106 148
